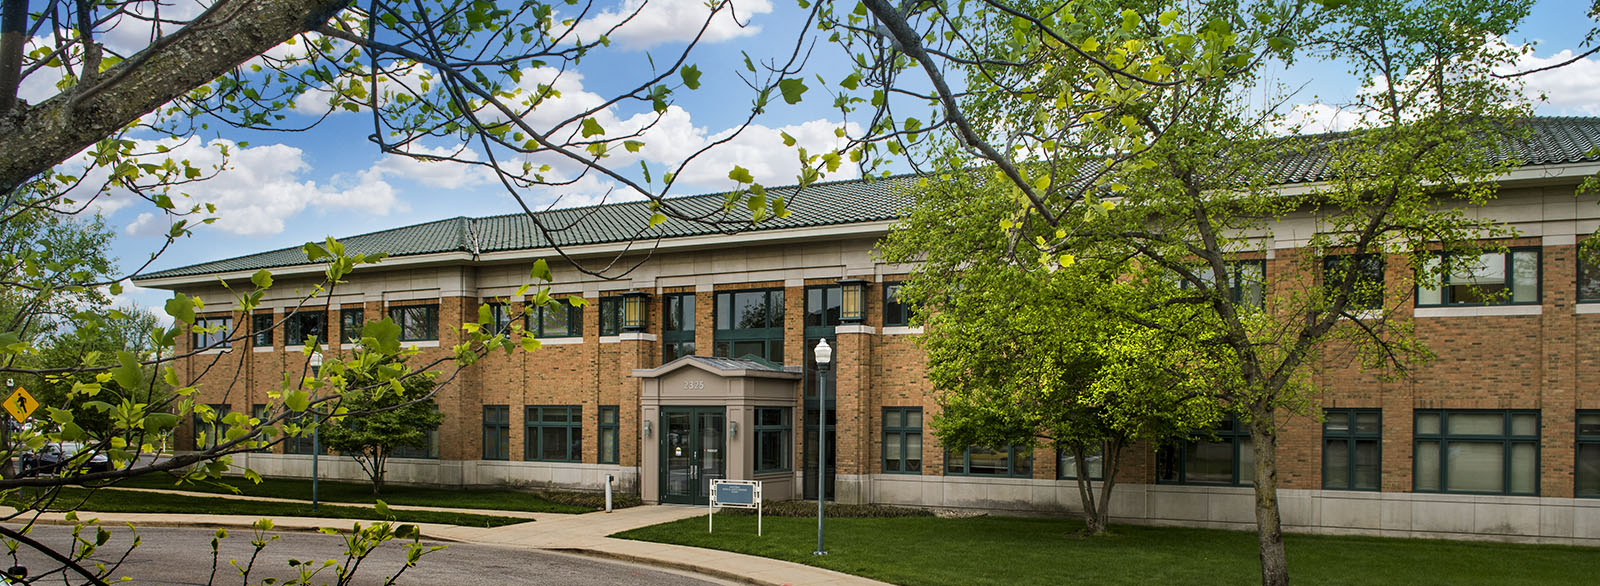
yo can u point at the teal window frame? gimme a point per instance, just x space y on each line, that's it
295 327
901 462
261 330
1018 465
610 316
1368 292
1172 461
1587 440
302 445
782 429
1446 293
1343 426
351 321
677 326
418 323
896 313
608 434
499 317
533 321
535 426
427 452
209 340
1066 466
727 336
1508 440
497 432
1588 274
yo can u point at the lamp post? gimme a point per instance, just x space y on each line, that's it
824 355
316 446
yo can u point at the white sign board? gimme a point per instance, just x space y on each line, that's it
739 494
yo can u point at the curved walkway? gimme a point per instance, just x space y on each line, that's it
586 534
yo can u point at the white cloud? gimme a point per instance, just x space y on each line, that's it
441 174
760 149
655 22
261 187
1572 89
142 298
1318 117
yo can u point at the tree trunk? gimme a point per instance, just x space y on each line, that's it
36 138
1112 459
1093 517
379 460
1269 525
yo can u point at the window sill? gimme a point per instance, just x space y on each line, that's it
216 351
1479 311
560 341
1367 315
261 349
611 339
636 337
902 330
854 329
1588 307
420 343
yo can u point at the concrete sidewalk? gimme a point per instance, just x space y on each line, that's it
582 534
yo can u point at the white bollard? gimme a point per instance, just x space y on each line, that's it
609 479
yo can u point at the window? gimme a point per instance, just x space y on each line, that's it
1588 454
304 325
1222 456
417 322
555 434
902 440
258 412
1246 281
750 323
822 305
499 318
1094 455
610 316
429 450
497 432
895 312
1367 292
677 326
1486 452
774 431
1014 461
1352 441
350 321
607 438
558 319
1588 274
213 432
1492 279
304 444
261 330
218 337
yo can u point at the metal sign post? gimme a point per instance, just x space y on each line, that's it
739 494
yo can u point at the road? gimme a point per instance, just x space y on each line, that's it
182 556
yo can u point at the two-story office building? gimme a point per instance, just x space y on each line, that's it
698 365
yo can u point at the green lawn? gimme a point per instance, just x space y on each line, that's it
353 492
121 501
1012 551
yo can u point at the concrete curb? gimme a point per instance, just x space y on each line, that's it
658 563
278 526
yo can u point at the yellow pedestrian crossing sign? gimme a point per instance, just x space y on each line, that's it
20 404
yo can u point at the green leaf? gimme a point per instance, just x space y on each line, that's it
262 278
787 140
592 128
691 76
128 373
541 271
741 174
181 308
632 145
851 81
792 89
657 219
297 401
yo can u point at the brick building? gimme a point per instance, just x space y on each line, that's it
1497 438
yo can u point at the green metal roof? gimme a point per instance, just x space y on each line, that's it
1553 140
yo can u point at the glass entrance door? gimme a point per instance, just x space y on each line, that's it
692 453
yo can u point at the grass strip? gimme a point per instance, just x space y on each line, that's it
355 492
118 501
1013 551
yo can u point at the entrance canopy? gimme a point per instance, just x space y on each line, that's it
699 416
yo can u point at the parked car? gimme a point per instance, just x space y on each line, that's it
52 457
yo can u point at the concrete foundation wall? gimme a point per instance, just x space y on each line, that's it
453 473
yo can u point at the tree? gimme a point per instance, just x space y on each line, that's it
1160 164
396 418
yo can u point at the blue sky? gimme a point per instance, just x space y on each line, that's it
285 189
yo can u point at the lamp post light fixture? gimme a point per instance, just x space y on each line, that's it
316 446
824 356
633 314
852 300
